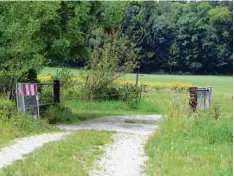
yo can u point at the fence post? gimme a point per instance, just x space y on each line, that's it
193 98
56 91
137 78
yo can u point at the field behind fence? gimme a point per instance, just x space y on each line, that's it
221 84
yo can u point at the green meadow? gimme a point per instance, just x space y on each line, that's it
220 84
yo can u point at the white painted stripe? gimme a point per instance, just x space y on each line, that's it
27 89
32 89
19 89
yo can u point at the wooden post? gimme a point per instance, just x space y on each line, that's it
56 91
193 98
137 78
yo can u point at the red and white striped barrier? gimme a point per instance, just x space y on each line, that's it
27 89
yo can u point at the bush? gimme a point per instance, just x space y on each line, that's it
16 124
7 105
46 94
131 94
24 124
65 76
58 114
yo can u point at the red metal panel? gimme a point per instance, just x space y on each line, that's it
28 89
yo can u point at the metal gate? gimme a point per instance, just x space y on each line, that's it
27 99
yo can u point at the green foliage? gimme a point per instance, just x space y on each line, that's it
219 15
216 111
132 95
7 105
111 15
14 124
21 45
187 140
199 31
173 56
65 77
215 132
66 36
59 114
108 62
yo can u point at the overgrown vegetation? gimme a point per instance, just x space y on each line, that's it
14 124
110 59
192 143
60 114
71 156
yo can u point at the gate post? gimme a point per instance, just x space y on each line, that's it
56 91
193 98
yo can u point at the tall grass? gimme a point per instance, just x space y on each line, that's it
191 143
14 124
90 109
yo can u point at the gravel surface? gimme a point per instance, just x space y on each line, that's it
123 127
24 146
118 124
144 118
125 155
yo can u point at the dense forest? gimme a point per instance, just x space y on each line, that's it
171 37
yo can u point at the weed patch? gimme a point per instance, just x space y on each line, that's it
14 124
191 143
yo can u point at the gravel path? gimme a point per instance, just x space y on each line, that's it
24 146
118 124
125 155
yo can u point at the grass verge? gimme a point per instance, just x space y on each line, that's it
92 109
15 125
70 156
23 127
192 143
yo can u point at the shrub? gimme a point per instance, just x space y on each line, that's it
132 95
65 76
7 105
19 124
46 94
58 114
109 61
24 124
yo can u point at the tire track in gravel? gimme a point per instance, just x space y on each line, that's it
125 155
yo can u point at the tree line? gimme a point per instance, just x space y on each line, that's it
170 37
